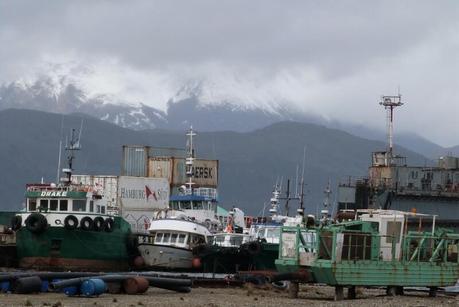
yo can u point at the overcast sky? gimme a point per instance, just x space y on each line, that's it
332 58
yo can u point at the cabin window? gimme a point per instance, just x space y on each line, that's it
91 206
102 209
175 206
181 238
166 237
185 205
43 204
198 205
79 205
63 205
32 204
273 233
393 231
53 204
159 237
173 238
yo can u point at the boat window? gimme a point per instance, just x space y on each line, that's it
79 205
185 205
43 204
53 204
273 233
91 206
166 237
32 204
175 206
102 209
159 237
181 238
173 237
198 205
63 205
393 231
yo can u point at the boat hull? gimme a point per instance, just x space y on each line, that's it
58 248
166 257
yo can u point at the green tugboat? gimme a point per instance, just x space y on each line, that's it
376 248
66 226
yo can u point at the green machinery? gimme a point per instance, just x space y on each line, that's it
377 248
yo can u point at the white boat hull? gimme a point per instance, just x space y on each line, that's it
167 257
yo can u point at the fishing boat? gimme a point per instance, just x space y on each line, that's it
66 226
373 248
170 243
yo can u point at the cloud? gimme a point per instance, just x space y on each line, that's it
333 58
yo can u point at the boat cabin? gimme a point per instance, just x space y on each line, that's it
50 199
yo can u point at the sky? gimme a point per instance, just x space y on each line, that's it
329 58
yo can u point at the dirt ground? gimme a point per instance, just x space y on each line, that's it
309 295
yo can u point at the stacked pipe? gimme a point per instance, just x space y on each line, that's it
88 284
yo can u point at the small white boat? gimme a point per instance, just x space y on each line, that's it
170 243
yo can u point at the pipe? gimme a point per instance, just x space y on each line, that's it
45 275
159 282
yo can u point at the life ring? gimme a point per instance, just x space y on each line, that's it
109 224
36 223
70 222
86 223
16 222
99 223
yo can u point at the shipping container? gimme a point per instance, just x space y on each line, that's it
135 160
205 173
160 168
163 152
142 193
106 185
139 220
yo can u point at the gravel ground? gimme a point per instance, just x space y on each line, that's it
248 296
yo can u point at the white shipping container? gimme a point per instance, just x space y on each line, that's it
139 220
106 185
142 193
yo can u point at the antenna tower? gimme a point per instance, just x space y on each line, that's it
390 103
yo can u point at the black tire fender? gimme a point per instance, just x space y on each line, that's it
99 223
109 224
87 223
36 223
16 222
70 222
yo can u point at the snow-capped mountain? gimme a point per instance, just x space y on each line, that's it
187 107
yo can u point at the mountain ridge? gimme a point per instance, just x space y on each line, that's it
250 162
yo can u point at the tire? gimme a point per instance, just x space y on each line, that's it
70 222
109 224
87 223
99 223
16 222
36 223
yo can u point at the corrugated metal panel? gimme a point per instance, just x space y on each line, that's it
155 152
205 173
108 186
135 159
160 168
143 193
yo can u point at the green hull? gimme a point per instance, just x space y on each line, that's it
60 248
377 273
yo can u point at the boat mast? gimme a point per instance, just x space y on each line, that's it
73 146
190 160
